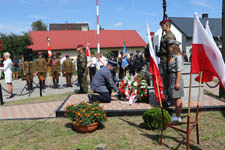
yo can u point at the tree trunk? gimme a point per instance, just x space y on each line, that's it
222 91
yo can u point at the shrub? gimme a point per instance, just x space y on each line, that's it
153 118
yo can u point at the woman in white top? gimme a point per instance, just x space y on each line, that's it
8 72
92 62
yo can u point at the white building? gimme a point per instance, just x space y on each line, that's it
182 28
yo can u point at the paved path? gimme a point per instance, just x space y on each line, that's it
45 110
18 85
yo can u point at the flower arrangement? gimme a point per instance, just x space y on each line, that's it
85 114
135 88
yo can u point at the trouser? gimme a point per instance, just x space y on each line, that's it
83 82
92 71
139 70
165 78
103 97
68 79
132 72
122 73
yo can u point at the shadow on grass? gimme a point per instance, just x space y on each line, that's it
157 136
223 113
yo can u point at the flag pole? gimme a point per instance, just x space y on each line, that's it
98 27
189 114
197 110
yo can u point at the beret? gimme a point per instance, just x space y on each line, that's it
80 45
165 21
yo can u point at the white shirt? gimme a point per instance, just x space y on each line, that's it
7 66
92 62
102 62
62 60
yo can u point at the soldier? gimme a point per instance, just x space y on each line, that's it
55 70
41 69
164 51
132 64
103 84
28 73
122 72
139 61
82 70
68 69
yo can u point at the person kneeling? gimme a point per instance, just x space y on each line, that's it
103 84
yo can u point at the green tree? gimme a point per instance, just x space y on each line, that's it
15 44
39 25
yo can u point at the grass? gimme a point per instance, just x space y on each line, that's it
125 133
49 98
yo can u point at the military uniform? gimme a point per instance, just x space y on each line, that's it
139 62
122 72
28 73
82 72
68 69
41 69
164 55
55 71
132 66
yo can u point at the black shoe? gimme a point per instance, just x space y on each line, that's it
90 99
11 96
165 105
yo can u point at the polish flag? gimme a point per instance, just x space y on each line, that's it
206 56
154 69
49 48
88 54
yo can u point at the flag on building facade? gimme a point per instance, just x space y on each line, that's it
125 60
154 69
206 56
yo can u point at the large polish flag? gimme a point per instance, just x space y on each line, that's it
206 56
49 50
88 54
154 69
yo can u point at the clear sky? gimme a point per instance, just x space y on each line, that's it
17 15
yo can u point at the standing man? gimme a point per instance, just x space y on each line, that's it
92 66
55 70
103 84
102 61
15 68
164 53
28 73
41 69
139 61
132 64
68 69
122 72
82 69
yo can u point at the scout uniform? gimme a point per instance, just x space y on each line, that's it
82 71
28 73
175 65
41 69
55 70
68 69
164 54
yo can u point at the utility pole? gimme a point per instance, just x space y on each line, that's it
222 91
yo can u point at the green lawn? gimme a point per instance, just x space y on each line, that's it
125 133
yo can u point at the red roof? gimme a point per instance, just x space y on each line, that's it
69 39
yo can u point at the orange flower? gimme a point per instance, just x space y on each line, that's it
96 114
79 109
88 115
96 107
92 112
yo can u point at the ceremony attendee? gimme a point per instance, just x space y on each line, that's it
82 69
131 66
15 68
102 61
176 81
1 67
92 66
103 84
8 73
185 57
164 56
28 73
41 69
68 69
139 61
55 70
122 72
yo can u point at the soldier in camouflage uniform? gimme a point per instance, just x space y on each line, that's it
55 70
164 51
41 69
28 73
68 69
82 69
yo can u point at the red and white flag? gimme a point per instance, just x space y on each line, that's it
88 54
49 48
154 69
206 56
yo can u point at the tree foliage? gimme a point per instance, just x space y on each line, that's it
39 25
15 44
